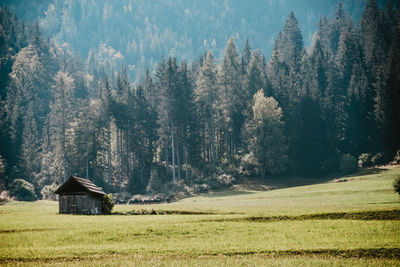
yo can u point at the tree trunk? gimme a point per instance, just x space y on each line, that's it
213 156
178 161
166 156
173 151
186 166
63 129
87 164
109 151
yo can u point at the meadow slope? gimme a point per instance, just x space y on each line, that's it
334 223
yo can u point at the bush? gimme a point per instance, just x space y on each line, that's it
364 160
4 197
108 204
248 165
396 158
47 192
23 190
348 163
396 185
155 182
378 159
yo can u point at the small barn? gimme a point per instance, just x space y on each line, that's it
79 196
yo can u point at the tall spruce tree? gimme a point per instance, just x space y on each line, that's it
207 99
232 96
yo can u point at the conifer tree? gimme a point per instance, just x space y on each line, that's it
207 99
232 96
60 116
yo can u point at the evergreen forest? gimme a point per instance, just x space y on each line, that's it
193 123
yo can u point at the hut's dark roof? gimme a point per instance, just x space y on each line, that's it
76 184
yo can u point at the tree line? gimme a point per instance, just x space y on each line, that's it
305 111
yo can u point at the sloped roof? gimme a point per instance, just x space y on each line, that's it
76 184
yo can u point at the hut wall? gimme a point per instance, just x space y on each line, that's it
80 203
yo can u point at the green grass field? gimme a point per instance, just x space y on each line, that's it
354 223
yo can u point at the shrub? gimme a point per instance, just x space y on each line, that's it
248 165
225 179
108 204
396 185
4 197
364 160
155 182
23 190
396 158
378 159
47 192
348 163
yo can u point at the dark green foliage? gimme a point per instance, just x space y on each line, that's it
348 163
23 190
380 158
396 185
365 215
107 204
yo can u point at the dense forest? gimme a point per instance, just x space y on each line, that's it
192 126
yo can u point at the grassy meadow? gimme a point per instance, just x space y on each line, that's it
353 223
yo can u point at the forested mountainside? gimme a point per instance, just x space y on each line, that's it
138 33
192 126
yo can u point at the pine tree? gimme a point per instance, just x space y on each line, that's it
245 57
206 99
232 96
60 117
166 80
289 42
253 81
27 105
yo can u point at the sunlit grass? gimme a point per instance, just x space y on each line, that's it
34 233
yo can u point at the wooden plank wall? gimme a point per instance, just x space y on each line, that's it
80 203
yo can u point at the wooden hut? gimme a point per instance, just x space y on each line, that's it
79 196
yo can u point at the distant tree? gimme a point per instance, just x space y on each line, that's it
207 99
60 116
231 92
167 82
245 56
254 79
289 41
27 105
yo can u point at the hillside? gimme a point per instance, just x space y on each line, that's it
139 33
